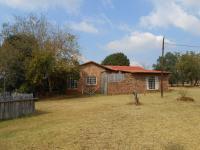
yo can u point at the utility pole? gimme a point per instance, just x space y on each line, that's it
162 67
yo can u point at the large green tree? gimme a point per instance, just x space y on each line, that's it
170 61
43 55
183 67
116 59
15 53
53 66
188 66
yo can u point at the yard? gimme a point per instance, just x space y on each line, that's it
108 122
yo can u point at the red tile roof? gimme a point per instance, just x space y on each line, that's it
133 69
127 68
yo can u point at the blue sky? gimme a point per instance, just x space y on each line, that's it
134 27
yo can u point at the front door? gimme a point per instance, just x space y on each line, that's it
104 83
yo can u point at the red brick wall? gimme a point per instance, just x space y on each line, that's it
124 87
90 70
133 82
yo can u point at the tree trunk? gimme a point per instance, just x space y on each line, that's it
172 84
191 82
50 85
196 82
183 83
137 102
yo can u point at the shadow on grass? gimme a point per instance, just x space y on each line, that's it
65 97
70 97
35 114
133 103
39 113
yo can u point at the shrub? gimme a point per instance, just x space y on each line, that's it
183 92
183 96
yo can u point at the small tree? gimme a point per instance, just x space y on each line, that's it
116 59
136 98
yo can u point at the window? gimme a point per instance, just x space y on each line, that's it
152 83
72 83
115 77
91 80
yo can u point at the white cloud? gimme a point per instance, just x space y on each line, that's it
106 20
135 63
82 59
125 28
83 26
100 19
137 41
171 13
71 6
108 3
190 2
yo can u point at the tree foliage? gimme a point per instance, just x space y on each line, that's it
43 56
116 59
15 53
183 67
170 61
188 66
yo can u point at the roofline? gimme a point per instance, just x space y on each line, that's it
97 65
151 72
136 72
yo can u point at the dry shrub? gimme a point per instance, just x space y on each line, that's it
173 146
186 99
135 99
183 96
183 92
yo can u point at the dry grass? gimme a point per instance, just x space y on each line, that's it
108 122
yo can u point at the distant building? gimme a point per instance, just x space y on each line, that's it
96 78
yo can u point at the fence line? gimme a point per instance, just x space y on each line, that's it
15 96
16 105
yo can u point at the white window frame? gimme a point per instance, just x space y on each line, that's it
156 83
89 78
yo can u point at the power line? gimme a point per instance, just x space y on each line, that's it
182 45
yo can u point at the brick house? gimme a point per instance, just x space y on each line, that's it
96 78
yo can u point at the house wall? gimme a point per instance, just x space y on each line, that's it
90 70
124 87
133 82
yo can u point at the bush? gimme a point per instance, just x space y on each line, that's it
24 88
183 96
183 92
